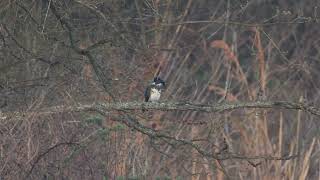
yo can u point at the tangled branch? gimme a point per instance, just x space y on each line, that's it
106 109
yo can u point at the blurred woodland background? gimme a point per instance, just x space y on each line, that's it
65 52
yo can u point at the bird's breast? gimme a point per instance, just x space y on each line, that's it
154 95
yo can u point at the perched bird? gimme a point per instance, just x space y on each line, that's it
153 91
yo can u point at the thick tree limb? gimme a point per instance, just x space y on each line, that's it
164 106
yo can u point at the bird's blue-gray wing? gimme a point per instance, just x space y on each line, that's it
147 94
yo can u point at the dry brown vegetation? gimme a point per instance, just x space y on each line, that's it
74 52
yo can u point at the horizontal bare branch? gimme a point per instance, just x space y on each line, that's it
165 106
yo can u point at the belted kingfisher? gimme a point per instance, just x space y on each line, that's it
153 91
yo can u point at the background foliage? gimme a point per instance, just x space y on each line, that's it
65 52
